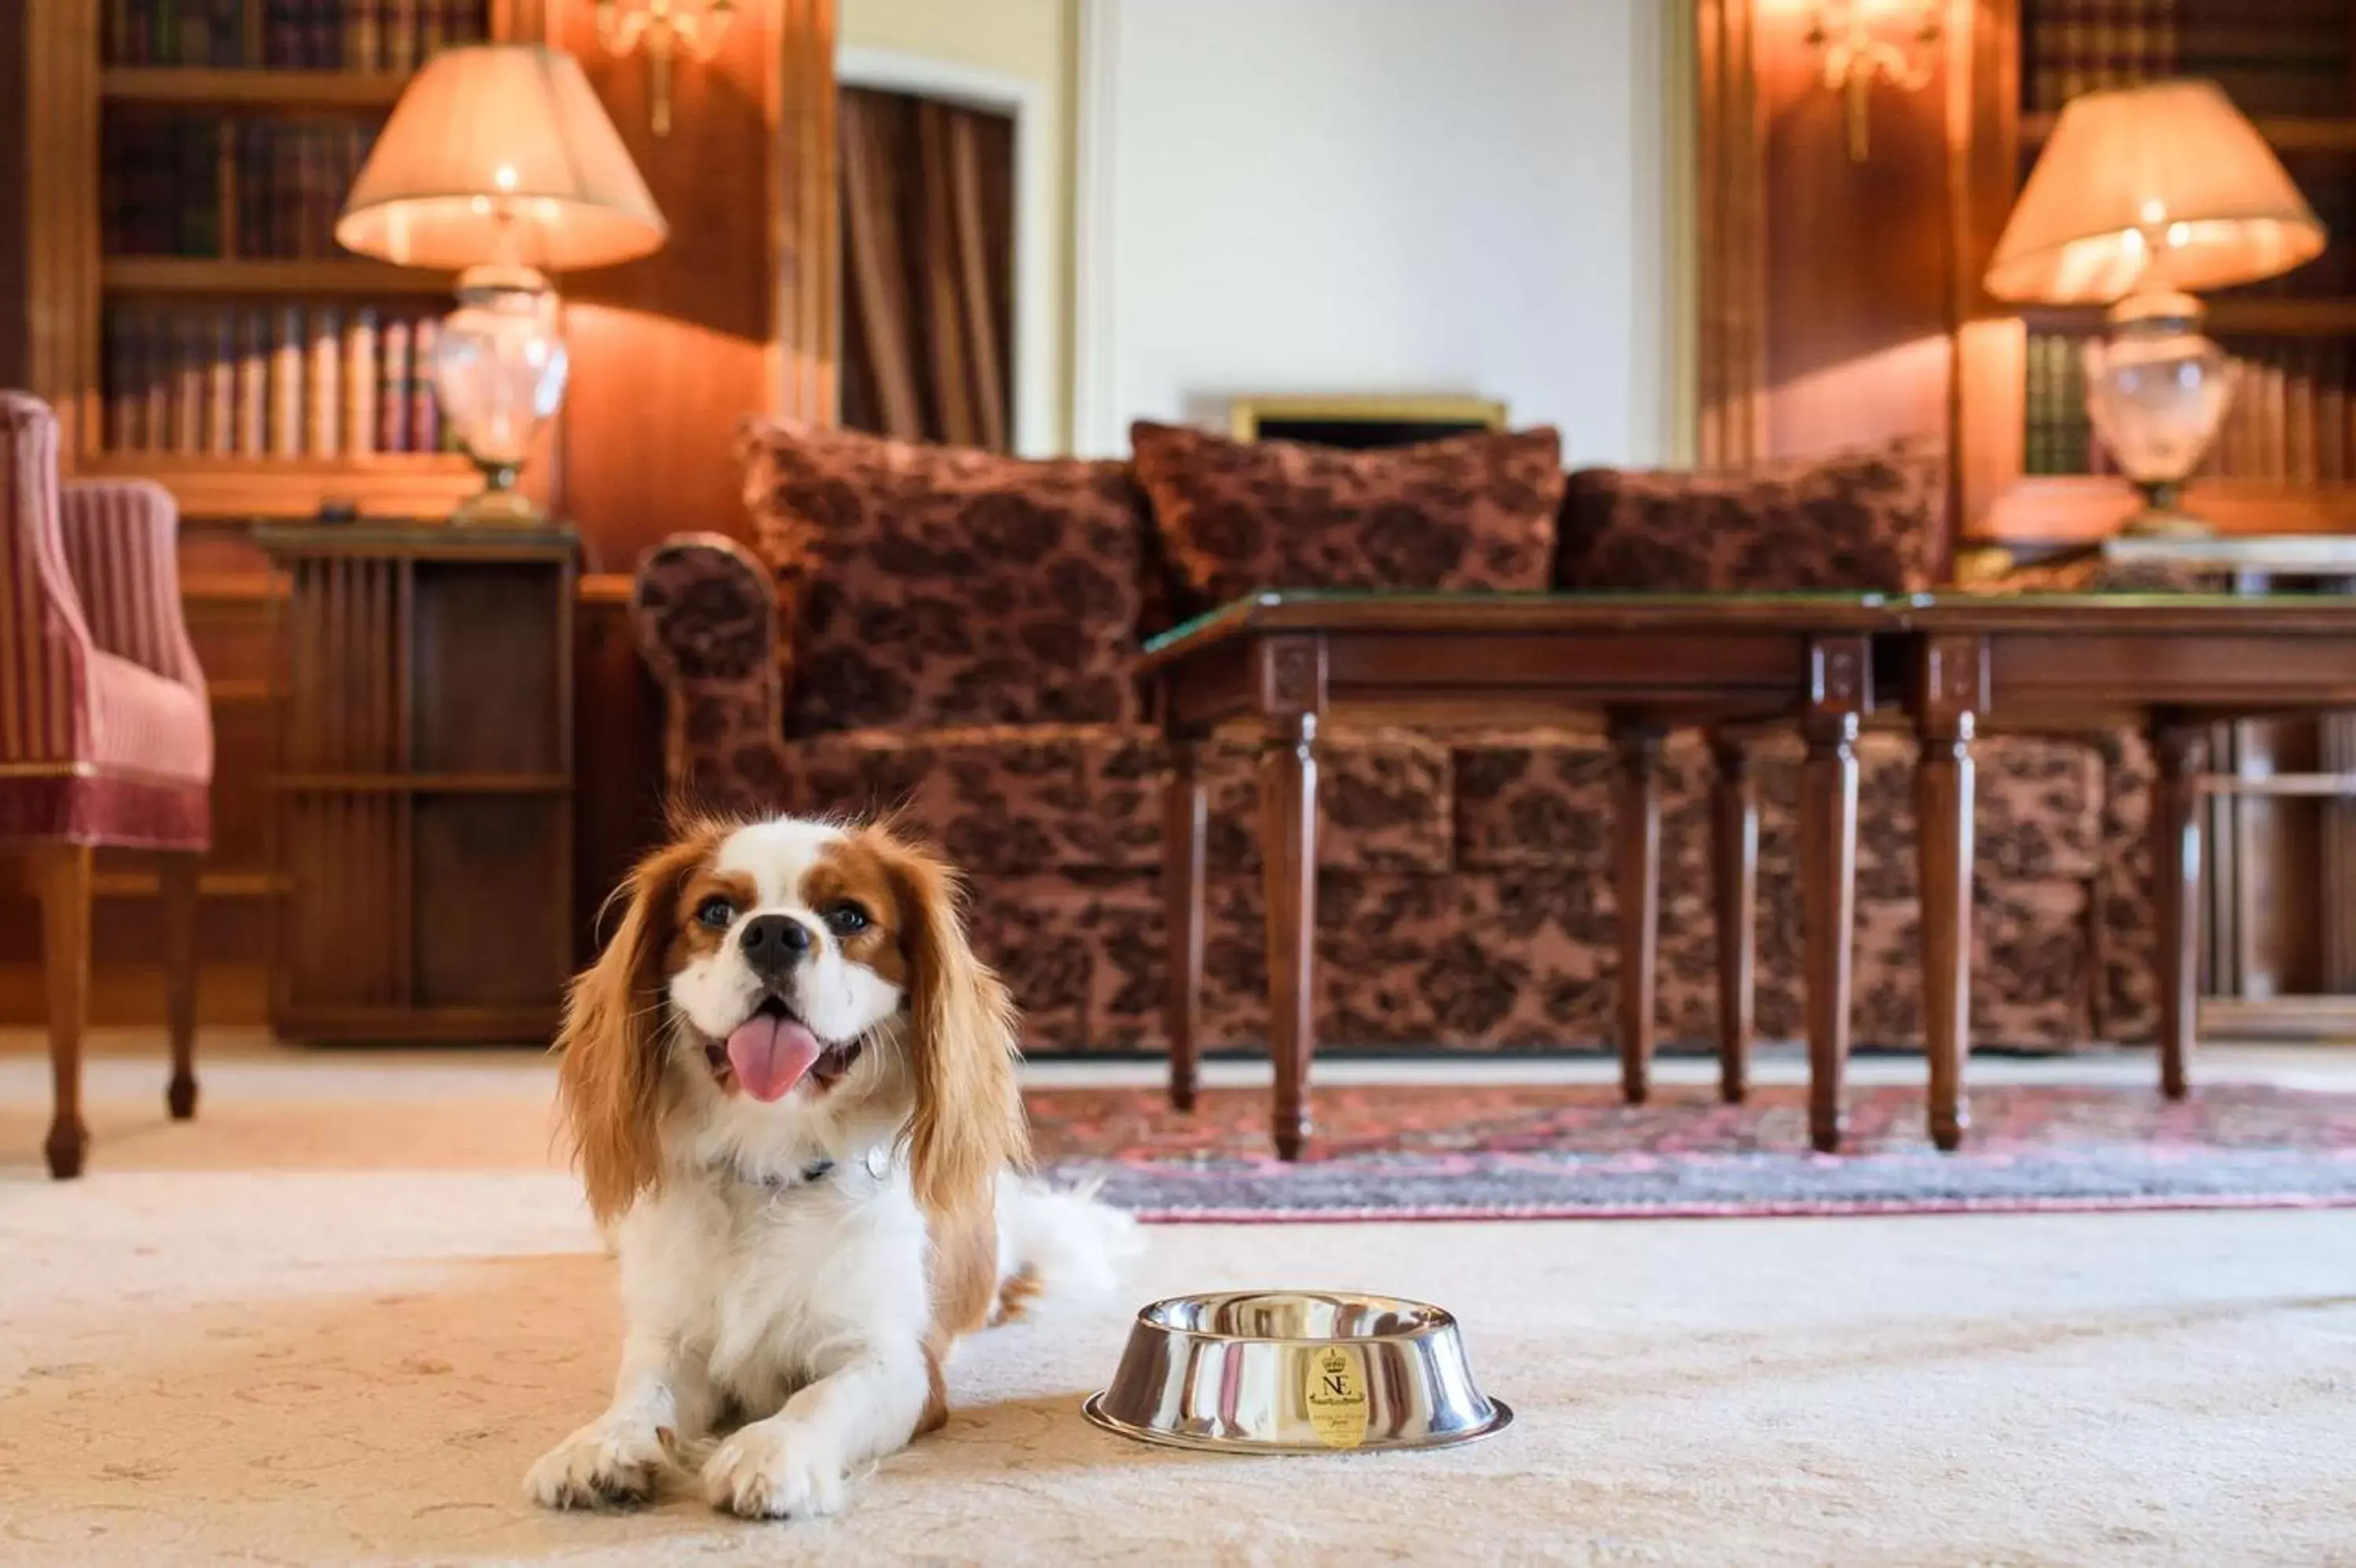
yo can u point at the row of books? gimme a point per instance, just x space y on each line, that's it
2329 183
2272 56
2292 420
199 186
2060 439
314 35
297 381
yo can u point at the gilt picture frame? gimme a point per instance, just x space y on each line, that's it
1361 422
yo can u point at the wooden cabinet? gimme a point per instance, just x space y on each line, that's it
424 783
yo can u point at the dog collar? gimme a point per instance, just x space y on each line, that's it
875 1162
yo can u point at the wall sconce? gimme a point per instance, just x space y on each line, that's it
664 29
1856 55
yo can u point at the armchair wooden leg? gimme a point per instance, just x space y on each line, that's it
62 873
178 878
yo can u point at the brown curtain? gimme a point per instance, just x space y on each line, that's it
928 262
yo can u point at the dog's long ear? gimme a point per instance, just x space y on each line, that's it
610 1085
968 1124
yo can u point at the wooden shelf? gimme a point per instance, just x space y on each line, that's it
414 1025
386 486
2288 786
231 87
2285 134
2080 509
2279 1017
2256 315
327 275
211 884
424 783
2278 318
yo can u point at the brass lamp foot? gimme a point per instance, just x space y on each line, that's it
498 504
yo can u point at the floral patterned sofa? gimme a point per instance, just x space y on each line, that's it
949 635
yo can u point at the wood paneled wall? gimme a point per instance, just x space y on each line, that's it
11 192
1829 285
734 317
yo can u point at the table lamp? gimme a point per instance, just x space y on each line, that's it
499 163
2143 195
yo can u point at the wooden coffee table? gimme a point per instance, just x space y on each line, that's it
2171 665
1965 664
1288 664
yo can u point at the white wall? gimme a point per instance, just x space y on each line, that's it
1400 196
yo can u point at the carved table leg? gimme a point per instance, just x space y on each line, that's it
1638 746
1734 874
1287 789
1840 671
1291 677
2176 893
1948 690
1184 815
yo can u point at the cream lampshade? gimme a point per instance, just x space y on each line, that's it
2143 194
499 160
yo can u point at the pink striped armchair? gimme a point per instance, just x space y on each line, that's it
105 734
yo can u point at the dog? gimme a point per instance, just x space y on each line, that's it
791 1090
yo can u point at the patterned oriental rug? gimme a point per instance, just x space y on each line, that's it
1417 1152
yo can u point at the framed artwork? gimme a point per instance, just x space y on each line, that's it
1362 423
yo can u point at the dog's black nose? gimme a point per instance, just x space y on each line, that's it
775 942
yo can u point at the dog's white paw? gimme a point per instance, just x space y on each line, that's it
777 1468
604 1465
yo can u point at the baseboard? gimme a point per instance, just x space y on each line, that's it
132 995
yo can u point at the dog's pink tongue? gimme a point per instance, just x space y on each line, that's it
770 1055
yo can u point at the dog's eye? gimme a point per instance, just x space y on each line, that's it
717 914
846 920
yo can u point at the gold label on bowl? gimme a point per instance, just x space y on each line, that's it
1337 1397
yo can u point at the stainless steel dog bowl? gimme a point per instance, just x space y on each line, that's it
1295 1371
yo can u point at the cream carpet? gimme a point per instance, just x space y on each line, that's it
332 1322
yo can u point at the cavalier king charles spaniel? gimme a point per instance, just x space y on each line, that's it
792 1092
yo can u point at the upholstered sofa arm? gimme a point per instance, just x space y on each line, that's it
705 612
122 542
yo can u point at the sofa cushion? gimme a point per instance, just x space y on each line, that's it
1024 799
928 585
1016 799
1873 519
2038 810
1384 801
1473 512
1544 797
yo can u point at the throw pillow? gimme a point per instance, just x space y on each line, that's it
1868 521
1471 512
922 585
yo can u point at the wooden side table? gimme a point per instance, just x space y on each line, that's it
2278 954
423 822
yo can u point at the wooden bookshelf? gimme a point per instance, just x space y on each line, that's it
383 484
2289 134
2230 315
80 291
229 86
331 278
2081 508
